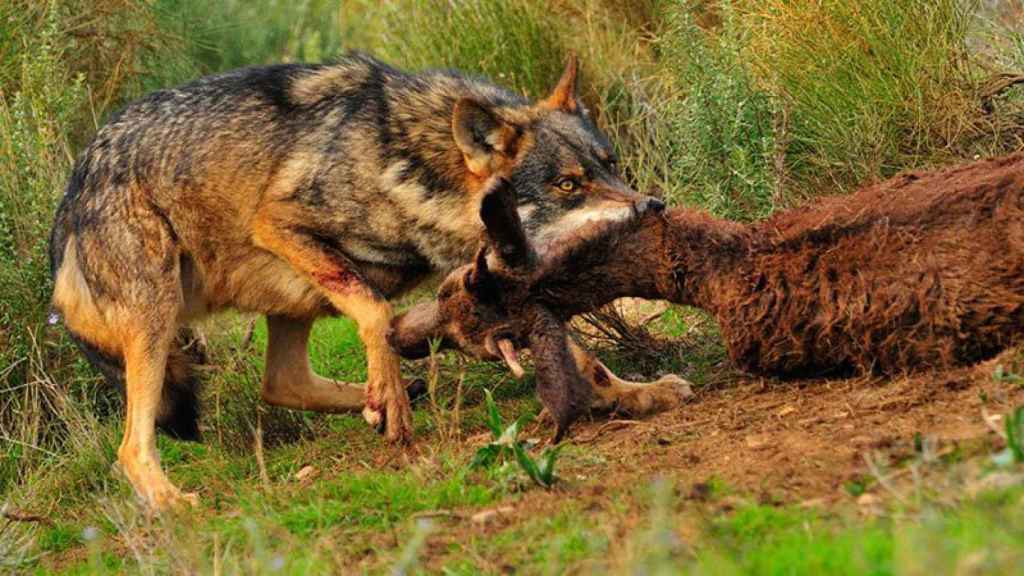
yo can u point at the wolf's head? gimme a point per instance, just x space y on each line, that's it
562 167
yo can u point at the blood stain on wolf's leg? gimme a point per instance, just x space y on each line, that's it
339 279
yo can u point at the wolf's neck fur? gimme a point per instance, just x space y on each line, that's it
424 172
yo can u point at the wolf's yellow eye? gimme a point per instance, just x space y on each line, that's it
566 185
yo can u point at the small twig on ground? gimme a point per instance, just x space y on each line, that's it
19 516
990 421
607 427
437 514
996 86
247 339
883 480
260 462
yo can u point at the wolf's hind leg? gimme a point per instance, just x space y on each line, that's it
145 357
290 382
636 399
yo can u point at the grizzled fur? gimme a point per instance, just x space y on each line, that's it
299 191
924 270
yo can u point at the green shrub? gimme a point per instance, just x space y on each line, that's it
61 63
723 127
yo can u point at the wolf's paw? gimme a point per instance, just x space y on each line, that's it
667 393
152 488
168 498
393 418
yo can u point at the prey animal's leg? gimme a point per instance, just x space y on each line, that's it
145 359
385 400
636 399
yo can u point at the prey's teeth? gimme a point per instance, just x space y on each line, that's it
508 353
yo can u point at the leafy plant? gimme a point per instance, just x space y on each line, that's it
724 129
1014 452
506 441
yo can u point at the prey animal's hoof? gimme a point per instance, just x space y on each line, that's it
681 388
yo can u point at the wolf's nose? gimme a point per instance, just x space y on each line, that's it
653 205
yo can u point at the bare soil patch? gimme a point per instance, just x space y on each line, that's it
805 440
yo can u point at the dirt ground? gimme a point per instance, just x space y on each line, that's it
805 440
807 443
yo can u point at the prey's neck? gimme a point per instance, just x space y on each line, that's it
681 256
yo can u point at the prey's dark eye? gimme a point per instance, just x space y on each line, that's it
567 184
613 163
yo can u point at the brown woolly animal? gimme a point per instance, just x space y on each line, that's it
921 271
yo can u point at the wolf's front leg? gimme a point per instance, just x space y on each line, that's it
636 399
385 402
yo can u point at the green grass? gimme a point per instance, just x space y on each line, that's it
739 108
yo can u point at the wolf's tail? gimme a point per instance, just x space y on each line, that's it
178 414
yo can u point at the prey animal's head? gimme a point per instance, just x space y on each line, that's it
486 309
564 170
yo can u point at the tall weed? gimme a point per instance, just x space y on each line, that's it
870 87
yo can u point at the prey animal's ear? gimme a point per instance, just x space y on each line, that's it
561 388
483 137
479 281
503 227
563 97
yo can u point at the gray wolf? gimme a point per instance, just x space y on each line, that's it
300 191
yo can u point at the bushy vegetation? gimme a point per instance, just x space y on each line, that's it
740 107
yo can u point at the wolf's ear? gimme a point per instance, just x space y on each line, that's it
502 225
564 95
482 136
